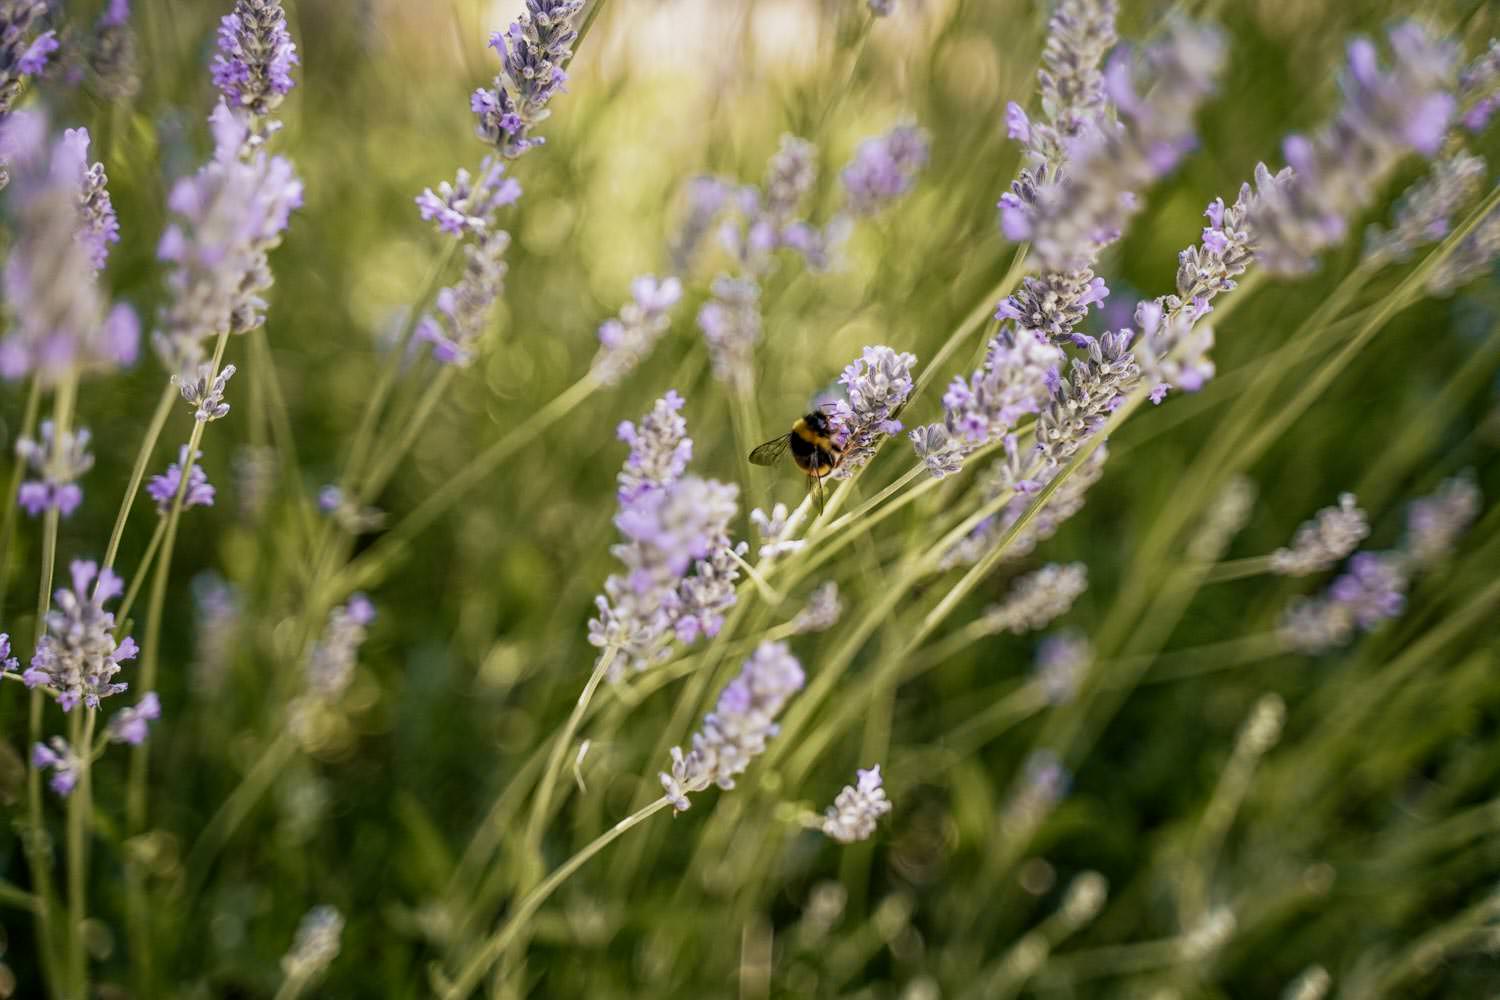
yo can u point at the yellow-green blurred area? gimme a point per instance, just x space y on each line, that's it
1365 842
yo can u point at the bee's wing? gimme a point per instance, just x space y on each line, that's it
770 452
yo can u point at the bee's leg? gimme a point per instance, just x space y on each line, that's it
817 490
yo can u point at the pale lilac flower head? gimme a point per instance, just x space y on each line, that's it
253 67
1333 174
627 339
63 223
659 449
884 168
1373 588
1425 211
821 612
1080 34
1474 257
315 946
78 656
469 205
1037 599
132 725
857 808
112 53
330 665
1097 383
777 532
226 219
1320 543
57 465
463 313
1061 661
163 488
1435 523
738 728
532 53
730 321
24 50
876 385
60 758
1479 88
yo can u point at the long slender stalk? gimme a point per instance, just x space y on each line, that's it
541 803
80 810
490 952
222 825
138 471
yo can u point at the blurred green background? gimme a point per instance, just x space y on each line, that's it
1354 845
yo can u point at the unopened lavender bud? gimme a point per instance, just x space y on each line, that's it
821 612
205 393
857 808
1036 599
1435 523
253 67
776 530
315 946
1323 541
470 204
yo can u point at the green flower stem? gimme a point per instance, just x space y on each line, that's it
541 803
142 571
64 397
490 952
234 810
411 429
80 811
138 471
1238 569
17 470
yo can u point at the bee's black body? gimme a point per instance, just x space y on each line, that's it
812 446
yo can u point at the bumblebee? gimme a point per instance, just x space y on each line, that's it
813 450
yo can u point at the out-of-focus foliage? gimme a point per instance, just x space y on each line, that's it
1363 840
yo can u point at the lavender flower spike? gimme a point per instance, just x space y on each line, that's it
1424 212
730 322
112 53
883 169
857 808
626 340
464 310
1079 35
1096 197
877 384
58 465
163 488
22 54
64 762
1038 598
1335 173
659 449
1472 258
1435 523
132 725
63 223
330 665
737 730
227 218
469 205
253 68
1479 88
78 656
532 53
1320 543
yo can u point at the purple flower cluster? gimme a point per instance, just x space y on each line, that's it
821 612
58 465
228 217
61 759
1479 88
78 656
1014 381
1474 257
1371 590
1096 385
1061 661
883 169
627 339
253 67
1037 599
730 321
469 205
680 566
111 55
1069 221
24 51
737 730
1043 782
64 223
532 53
857 808
1435 523
1424 213
1319 544
1333 174
330 664
876 385
163 488
132 725
1079 35
463 312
